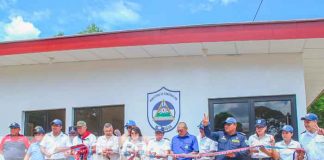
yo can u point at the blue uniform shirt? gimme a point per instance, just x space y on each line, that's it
185 144
35 152
228 142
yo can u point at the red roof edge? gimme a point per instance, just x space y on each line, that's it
301 29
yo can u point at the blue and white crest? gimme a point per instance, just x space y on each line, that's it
163 108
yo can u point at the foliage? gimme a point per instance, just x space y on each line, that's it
317 107
92 28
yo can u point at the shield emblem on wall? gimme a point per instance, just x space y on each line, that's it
163 108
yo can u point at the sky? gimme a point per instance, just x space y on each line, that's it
34 19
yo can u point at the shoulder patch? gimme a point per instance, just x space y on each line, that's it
167 139
241 133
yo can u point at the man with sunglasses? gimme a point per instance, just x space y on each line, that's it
261 138
228 139
184 142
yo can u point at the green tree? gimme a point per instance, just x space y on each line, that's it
317 107
92 28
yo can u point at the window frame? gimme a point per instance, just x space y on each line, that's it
251 100
100 115
47 128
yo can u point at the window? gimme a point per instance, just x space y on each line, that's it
42 118
277 110
96 117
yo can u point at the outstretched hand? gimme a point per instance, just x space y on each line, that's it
205 120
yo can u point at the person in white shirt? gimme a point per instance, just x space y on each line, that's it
206 145
288 149
129 125
312 140
55 143
85 137
134 147
261 138
107 146
158 148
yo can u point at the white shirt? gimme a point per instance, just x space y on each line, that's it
130 146
313 145
89 141
287 154
254 140
159 147
206 145
50 142
105 142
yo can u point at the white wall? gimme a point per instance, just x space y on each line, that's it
66 85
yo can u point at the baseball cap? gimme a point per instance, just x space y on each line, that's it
230 120
310 117
260 123
130 123
56 122
14 125
288 128
81 124
159 129
39 129
72 130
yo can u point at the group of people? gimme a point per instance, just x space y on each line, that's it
229 144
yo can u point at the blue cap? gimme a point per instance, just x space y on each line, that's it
72 130
260 123
56 122
14 125
39 129
310 117
230 120
201 126
130 123
159 129
287 128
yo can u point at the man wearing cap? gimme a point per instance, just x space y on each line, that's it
14 145
227 139
159 147
72 133
129 124
85 137
261 138
184 142
206 145
285 151
54 144
312 140
107 146
34 151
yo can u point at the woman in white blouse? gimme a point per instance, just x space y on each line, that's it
134 148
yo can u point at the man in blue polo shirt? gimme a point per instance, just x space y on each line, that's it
184 142
228 139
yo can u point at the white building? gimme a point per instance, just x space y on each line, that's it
272 70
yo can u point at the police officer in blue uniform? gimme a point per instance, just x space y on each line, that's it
227 139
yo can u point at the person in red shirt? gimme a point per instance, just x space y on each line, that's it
14 145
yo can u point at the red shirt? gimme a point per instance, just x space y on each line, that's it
14 146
